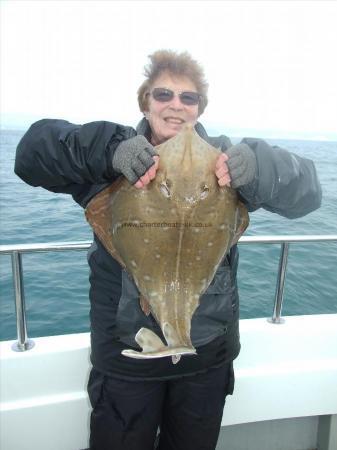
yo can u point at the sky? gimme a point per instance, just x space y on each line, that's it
271 65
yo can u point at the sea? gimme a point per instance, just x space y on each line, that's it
56 284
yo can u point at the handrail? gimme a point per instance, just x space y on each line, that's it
45 247
17 250
83 245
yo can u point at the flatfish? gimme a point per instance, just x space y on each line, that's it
170 236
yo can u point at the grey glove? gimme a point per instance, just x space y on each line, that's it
241 164
133 158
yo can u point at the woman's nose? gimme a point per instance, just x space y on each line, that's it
175 103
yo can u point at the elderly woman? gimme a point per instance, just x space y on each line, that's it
131 398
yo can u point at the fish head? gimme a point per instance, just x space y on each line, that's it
186 173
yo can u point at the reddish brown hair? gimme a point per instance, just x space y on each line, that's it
180 64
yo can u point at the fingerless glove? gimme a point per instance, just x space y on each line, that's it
133 158
242 165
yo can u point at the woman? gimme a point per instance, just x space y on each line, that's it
131 398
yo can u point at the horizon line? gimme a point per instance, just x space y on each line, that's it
232 132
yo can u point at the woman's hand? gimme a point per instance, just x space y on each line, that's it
222 171
148 175
137 160
237 167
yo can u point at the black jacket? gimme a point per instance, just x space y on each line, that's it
77 159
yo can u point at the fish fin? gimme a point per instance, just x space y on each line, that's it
172 340
176 358
153 347
243 222
171 335
145 305
98 215
149 341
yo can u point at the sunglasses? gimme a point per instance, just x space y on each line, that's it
166 95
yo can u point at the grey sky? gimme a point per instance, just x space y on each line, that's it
271 65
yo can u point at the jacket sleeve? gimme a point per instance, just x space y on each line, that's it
285 183
60 156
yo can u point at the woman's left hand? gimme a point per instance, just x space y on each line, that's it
237 167
222 171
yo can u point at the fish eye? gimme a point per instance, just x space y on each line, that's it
165 188
204 191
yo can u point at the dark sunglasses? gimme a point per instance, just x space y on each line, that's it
166 95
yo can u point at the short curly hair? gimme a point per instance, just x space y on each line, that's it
178 64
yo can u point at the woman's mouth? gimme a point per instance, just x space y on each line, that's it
174 120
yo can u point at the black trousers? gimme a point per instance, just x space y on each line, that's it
126 414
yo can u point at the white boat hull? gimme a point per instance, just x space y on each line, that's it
286 370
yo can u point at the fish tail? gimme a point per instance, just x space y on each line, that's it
153 347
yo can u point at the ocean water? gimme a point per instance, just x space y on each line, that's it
56 284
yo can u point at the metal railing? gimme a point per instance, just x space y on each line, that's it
16 252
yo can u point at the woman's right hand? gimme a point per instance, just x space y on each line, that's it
137 160
149 175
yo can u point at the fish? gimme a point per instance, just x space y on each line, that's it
170 237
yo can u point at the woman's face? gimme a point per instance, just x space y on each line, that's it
166 119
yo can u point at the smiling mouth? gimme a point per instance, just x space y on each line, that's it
174 120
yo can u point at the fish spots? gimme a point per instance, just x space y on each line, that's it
171 240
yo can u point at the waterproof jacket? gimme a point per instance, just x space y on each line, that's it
77 160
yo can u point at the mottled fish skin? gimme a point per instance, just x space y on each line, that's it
171 237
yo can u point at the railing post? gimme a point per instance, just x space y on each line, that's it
281 276
23 342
